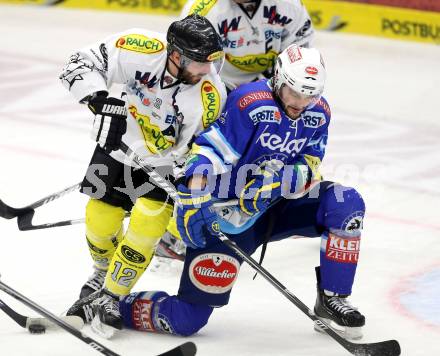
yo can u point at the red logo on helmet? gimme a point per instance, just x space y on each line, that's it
214 273
294 53
120 42
312 70
207 88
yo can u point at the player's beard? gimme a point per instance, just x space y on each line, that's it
189 78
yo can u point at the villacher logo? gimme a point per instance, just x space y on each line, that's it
214 273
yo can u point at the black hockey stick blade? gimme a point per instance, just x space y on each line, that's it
186 349
384 348
58 321
27 321
25 222
8 212
18 318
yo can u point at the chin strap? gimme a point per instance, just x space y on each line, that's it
179 75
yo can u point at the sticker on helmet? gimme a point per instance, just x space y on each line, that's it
312 70
215 56
294 53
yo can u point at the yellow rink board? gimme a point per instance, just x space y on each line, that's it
376 20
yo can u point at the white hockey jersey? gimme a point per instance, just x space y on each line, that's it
252 43
163 114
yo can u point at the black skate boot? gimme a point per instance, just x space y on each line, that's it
170 247
94 283
335 310
107 314
83 307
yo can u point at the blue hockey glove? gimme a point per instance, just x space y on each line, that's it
260 192
195 220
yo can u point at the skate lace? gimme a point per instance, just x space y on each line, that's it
96 280
110 305
88 313
341 305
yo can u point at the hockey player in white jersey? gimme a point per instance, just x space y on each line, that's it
173 91
253 33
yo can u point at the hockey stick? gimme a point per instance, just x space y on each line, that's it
185 349
28 322
8 212
25 222
61 323
384 348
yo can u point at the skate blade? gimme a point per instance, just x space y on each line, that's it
349 333
102 329
72 320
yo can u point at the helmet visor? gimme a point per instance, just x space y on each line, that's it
214 62
294 102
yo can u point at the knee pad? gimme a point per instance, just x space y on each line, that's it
103 219
149 219
342 210
103 230
159 312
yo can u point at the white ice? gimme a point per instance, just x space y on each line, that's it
384 140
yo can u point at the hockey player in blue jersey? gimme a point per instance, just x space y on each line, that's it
264 152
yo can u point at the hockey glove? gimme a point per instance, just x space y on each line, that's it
110 122
260 192
195 219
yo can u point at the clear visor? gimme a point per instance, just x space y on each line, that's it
295 103
215 62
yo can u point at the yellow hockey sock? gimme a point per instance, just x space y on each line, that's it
149 219
104 225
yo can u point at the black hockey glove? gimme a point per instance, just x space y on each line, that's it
110 122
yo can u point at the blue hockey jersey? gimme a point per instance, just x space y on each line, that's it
253 131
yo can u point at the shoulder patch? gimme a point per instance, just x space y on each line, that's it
313 119
211 103
202 7
265 113
322 102
140 43
252 97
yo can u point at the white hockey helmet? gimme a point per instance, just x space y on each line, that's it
302 70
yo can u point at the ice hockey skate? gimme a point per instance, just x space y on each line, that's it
339 314
107 317
94 283
83 307
170 247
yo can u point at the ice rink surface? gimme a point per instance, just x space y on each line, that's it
384 140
